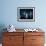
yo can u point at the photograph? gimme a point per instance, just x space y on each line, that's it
26 14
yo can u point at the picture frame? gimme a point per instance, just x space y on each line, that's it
26 14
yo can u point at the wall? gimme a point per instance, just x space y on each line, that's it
9 13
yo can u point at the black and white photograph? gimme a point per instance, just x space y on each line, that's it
26 14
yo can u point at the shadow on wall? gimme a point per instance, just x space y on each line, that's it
2 26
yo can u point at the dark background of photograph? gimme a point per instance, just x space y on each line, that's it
27 11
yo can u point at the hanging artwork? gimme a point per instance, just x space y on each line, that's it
26 14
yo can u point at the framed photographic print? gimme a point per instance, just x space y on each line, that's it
26 14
